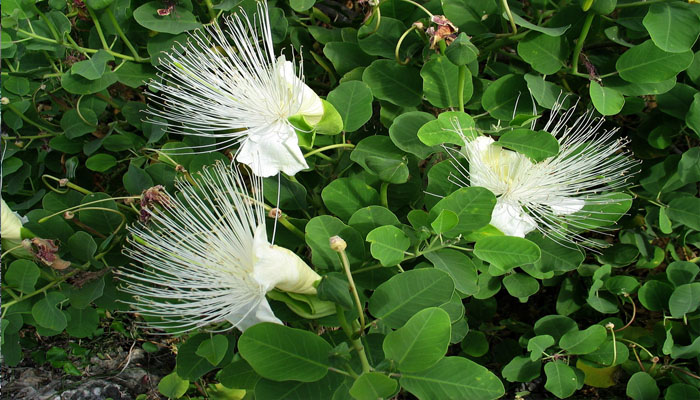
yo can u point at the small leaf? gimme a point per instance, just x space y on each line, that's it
373 386
213 349
585 341
561 379
606 100
537 145
23 275
172 386
421 342
642 386
506 252
388 244
454 378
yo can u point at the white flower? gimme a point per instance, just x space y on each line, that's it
11 224
207 259
231 87
541 195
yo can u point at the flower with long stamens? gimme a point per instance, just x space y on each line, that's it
206 258
547 195
227 85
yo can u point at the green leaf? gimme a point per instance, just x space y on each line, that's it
213 349
421 342
367 218
301 5
538 345
82 246
681 272
621 285
447 129
331 122
606 100
546 54
344 196
293 390
561 379
178 21
606 354
134 74
238 374
585 341
521 369
94 67
461 51
684 299
692 118
445 221
646 63
546 94
555 256
521 286
501 97
373 386
101 162
681 391
388 244
76 84
378 156
382 41
537 145
346 56
47 315
506 252
398 299
642 386
281 353
23 275
395 83
172 386
74 126
441 83
473 206
189 365
654 295
555 326
83 322
103 221
99 4
136 180
454 378
689 166
685 210
404 133
674 27
460 267
353 100
318 232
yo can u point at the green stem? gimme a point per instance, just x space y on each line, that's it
639 3
210 10
29 121
65 183
121 34
75 46
384 194
353 289
460 87
98 27
43 289
48 23
355 342
581 39
398 46
329 147
510 16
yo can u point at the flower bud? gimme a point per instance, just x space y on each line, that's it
338 244
11 224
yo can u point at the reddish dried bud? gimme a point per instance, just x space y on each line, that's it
69 215
180 168
445 30
275 213
151 197
419 25
63 182
46 251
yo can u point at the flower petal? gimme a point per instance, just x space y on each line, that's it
310 107
566 205
245 317
278 267
268 157
11 224
511 219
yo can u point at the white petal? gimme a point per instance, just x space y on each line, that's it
311 107
245 317
512 220
566 205
277 151
278 267
11 224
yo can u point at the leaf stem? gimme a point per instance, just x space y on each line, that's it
460 87
425 10
398 46
29 121
639 3
338 245
356 342
581 39
510 16
121 34
384 194
329 147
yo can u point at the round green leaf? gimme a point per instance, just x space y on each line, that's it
441 83
521 286
452 127
367 218
684 299
344 196
681 391
382 42
398 299
73 126
538 345
421 343
501 97
606 100
554 325
388 244
685 210
674 26
178 21
136 180
281 353
172 386
642 386
445 221
378 156
47 315
373 386
320 229
94 67
346 56
213 349
404 133
682 272
460 267
454 378
190 365
83 322
82 246
546 54
23 275
646 63
561 379
101 162
521 369
537 145
506 252
395 83
473 206
585 341
353 101
654 295
76 84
